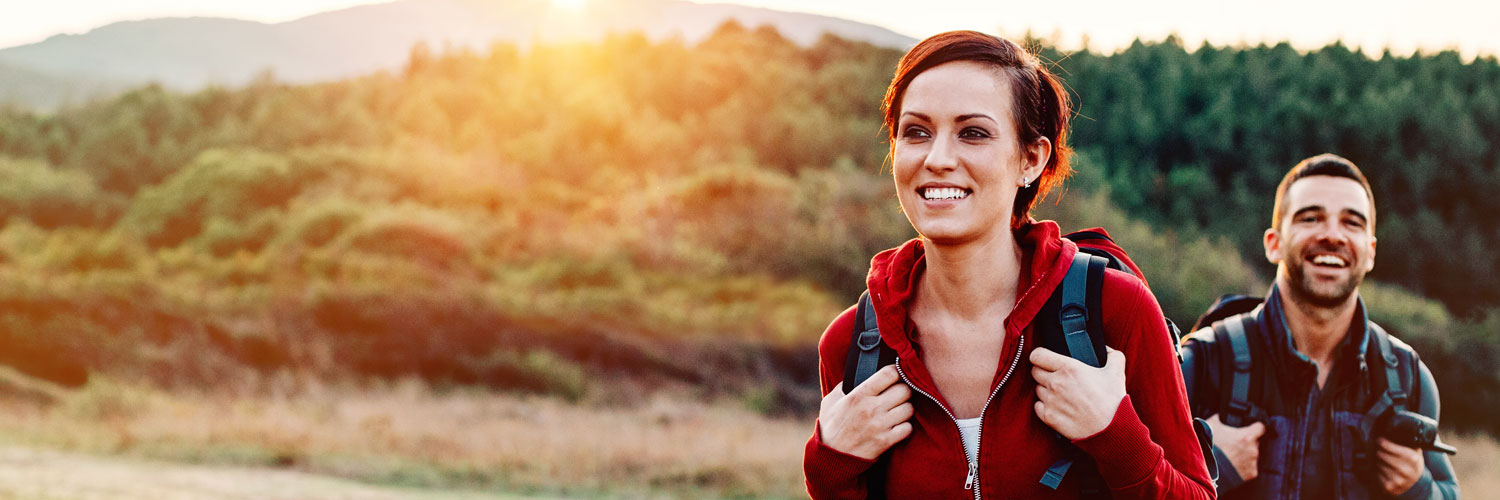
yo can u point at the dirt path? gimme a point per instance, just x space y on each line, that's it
33 474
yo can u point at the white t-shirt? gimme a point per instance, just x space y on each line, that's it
968 428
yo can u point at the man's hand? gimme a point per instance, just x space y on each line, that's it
1400 467
1241 445
870 419
1075 399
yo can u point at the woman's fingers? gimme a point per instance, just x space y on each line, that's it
1043 392
900 413
1045 359
897 433
878 381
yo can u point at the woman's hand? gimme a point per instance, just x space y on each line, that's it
1075 399
870 419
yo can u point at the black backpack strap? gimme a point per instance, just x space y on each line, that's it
1393 381
1231 331
1395 395
1079 290
864 347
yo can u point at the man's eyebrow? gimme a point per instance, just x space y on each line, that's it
1309 208
1319 208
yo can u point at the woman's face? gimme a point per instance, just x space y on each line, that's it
957 161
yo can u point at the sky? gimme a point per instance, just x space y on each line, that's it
1467 25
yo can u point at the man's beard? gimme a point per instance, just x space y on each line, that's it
1329 295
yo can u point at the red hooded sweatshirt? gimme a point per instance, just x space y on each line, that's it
1148 450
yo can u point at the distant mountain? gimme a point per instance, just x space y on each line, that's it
188 53
43 90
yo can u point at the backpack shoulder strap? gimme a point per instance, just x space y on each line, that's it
1083 275
1396 391
1395 385
867 353
865 347
1231 332
1076 313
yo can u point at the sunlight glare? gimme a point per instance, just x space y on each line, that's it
569 5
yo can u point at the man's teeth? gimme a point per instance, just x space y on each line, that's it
1328 260
944 193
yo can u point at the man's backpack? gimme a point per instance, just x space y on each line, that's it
1232 315
1078 333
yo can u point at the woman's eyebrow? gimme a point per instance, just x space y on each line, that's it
971 116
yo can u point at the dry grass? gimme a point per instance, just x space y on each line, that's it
410 435
1477 465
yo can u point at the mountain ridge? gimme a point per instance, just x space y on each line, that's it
187 53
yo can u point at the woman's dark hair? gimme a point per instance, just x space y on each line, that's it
1041 107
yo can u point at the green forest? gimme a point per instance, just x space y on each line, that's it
628 213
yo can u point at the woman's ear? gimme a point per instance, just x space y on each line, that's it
1035 156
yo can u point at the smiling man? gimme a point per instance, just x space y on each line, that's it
1300 390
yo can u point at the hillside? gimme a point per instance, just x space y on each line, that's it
190 53
614 218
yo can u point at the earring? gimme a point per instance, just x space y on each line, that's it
1026 183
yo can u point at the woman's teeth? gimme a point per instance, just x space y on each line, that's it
944 193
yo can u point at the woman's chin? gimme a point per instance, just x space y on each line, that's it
945 236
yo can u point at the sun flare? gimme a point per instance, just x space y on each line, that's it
569 5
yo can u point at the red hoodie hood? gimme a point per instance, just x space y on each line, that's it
894 274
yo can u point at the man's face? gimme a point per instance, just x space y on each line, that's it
1326 243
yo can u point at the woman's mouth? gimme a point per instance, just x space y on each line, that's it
944 193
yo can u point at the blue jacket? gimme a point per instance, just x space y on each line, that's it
1310 429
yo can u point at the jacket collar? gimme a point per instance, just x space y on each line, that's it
895 274
1356 343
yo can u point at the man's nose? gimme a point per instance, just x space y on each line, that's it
1329 232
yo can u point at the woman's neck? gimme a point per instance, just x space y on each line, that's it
967 279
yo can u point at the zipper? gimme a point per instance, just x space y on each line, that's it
971 481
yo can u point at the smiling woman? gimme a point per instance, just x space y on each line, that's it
979 133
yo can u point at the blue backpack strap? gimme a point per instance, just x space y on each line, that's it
867 353
865 346
1231 331
1073 314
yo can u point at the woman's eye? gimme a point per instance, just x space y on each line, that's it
914 133
974 133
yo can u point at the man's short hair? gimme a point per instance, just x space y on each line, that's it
1328 164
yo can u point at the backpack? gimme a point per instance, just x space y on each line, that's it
1232 315
1078 333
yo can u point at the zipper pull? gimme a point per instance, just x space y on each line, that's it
973 471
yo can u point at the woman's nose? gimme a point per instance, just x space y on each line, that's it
942 156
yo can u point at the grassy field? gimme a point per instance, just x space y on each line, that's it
409 435
408 440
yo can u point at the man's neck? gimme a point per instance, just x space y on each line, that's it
967 279
1317 331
